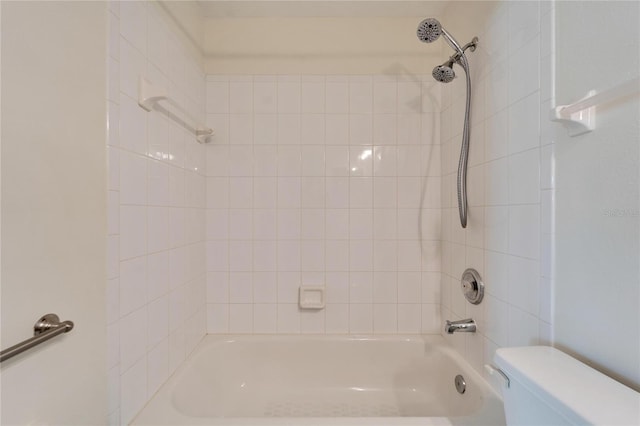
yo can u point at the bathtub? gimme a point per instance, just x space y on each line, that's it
323 380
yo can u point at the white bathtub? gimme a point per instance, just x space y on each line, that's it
323 380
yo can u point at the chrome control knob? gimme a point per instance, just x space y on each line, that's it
472 286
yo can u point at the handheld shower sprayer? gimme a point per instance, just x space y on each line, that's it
429 30
444 73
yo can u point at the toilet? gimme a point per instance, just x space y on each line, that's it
544 386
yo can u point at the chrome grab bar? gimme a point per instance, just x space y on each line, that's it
45 328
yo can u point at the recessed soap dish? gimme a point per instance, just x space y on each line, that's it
311 297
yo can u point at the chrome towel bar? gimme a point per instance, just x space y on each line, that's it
45 328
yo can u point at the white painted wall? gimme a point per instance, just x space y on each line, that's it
156 274
54 209
188 19
597 295
315 45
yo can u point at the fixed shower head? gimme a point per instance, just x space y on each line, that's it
444 73
429 30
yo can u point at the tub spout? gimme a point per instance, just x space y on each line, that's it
466 325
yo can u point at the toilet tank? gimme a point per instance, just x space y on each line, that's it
549 387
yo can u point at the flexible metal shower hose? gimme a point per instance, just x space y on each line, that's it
464 150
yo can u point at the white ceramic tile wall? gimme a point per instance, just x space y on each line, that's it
333 180
323 180
511 189
156 223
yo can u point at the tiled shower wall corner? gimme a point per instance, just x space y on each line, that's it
156 223
323 180
509 234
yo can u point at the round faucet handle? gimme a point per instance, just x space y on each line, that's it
472 286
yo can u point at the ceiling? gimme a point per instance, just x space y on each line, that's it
315 8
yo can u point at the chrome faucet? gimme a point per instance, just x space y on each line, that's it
466 325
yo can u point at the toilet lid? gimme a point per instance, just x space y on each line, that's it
572 388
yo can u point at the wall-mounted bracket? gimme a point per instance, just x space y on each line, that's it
580 116
578 122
